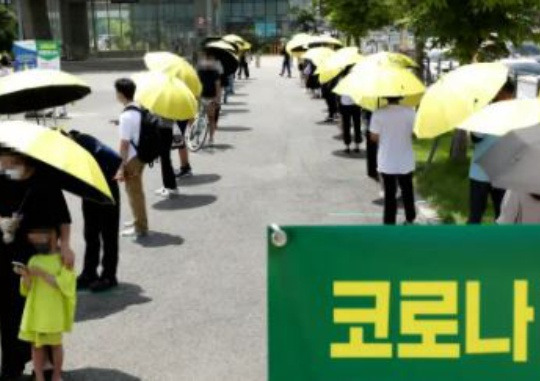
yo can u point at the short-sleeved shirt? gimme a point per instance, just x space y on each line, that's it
41 205
476 172
130 128
209 76
394 124
109 161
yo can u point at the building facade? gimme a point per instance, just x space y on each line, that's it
108 26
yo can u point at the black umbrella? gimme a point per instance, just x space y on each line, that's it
222 52
38 89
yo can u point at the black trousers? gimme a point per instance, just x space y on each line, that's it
405 183
352 114
101 228
244 67
167 171
286 67
372 150
15 353
331 101
479 194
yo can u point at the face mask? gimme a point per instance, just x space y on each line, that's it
41 248
15 174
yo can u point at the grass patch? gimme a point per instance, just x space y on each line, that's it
444 183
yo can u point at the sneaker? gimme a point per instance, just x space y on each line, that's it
132 233
129 224
347 151
85 282
357 150
211 141
184 172
159 191
169 193
103 284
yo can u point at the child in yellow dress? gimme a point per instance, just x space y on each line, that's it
50 291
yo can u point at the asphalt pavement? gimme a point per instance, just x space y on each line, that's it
192 299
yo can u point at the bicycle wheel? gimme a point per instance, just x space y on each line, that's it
198 131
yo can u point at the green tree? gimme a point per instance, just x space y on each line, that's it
8 29
356 18
467 25
304 19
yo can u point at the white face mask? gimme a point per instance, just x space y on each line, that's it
15 174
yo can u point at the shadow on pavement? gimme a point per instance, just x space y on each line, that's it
218 147
95 306
235 111
239 95
199 180
236 103
157 239
352 155
325 123
338 137
185 202
234 129
95 374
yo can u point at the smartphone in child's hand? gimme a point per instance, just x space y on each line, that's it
19 268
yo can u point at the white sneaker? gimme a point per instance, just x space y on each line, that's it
210 141
159 191
169 193
129 224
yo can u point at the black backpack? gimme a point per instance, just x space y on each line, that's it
149 141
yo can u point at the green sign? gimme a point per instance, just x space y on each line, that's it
439 303
48 55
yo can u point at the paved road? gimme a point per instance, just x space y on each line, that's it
192 304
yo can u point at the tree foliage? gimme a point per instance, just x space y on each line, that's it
467 25
357 17
304 19
8 29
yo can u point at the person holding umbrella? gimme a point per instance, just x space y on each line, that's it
28 196
210 77
481 187
101 221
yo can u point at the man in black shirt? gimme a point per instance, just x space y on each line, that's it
210 77
101 221
28 198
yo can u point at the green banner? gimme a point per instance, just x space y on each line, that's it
441 303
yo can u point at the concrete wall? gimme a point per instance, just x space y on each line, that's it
75 29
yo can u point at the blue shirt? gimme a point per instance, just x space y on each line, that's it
108 160
477 172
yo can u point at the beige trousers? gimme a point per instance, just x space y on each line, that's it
134 188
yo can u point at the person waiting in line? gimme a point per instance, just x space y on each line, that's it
520 208
170 188
350 112
28 197
286 65
392 128
5 65
50 291
101 221
210 77
312 80
183 153
480 186
331 101
243 65
131 170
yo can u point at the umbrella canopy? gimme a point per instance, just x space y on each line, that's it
376 81
512 163
165 96
458 95
499 118
38 89
174 65
391 58
319 41
337 63
225 55
298 44
70 165
238 41
318 55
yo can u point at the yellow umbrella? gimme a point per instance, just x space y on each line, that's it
298 44
165 96
391 58
66 163
375 81
319 41
458 95
501 118
174 65
237 40
223 45
337 63
318 55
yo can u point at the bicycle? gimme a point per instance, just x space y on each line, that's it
198 131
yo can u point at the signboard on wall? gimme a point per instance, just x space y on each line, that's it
445 303
31 54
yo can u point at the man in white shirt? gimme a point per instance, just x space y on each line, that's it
131 170
392 127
